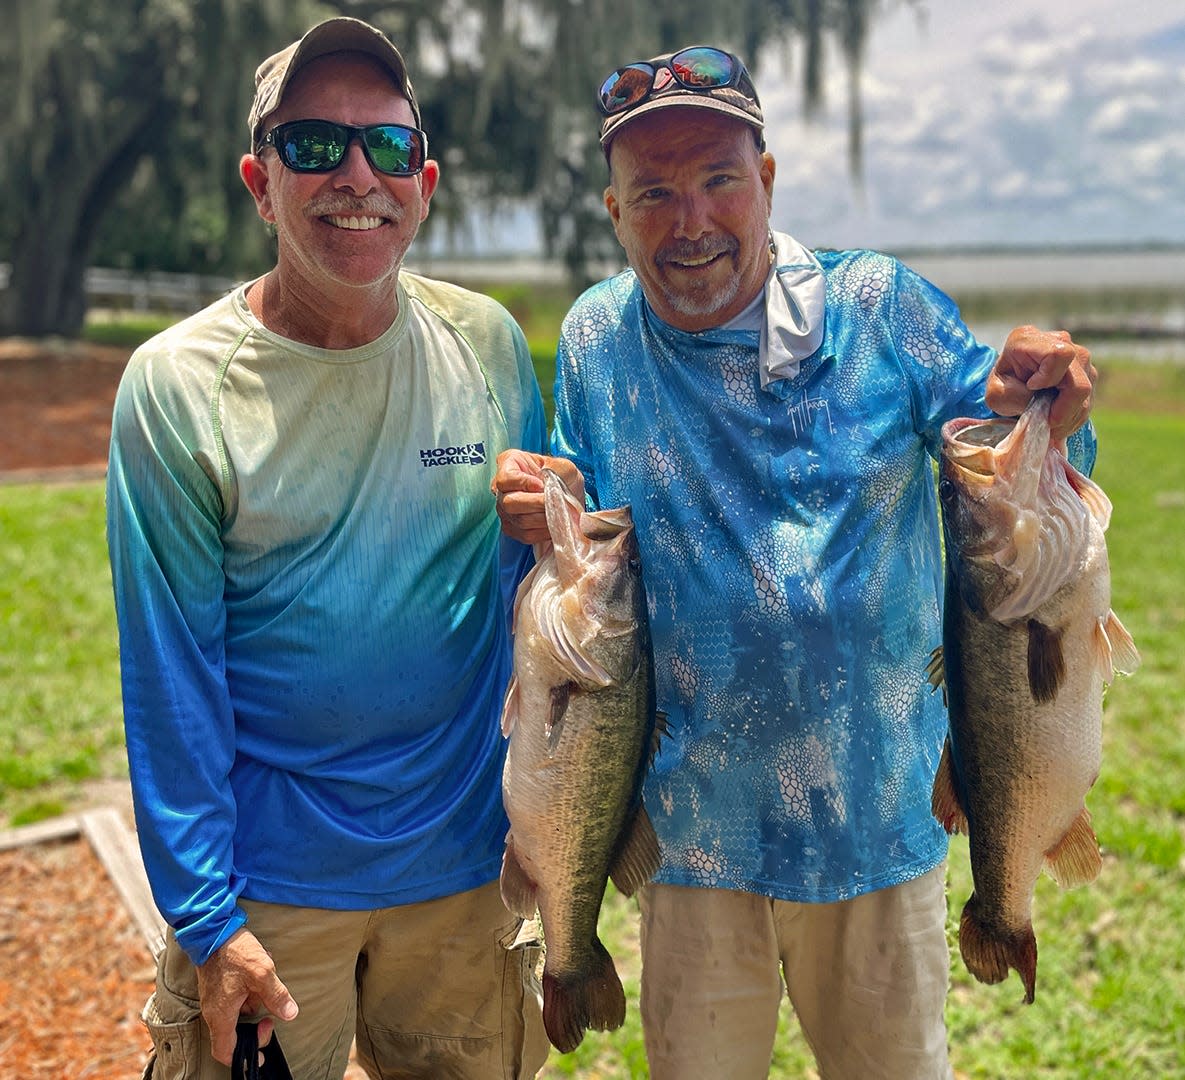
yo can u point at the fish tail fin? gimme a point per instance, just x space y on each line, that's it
574 1002
638 858
945 804
989 952
1075 858
518 890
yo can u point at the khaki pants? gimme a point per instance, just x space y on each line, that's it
867 978
439 989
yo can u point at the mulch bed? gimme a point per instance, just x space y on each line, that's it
74 972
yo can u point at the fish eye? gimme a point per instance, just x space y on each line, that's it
946 490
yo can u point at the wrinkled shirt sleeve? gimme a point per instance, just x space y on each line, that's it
163 528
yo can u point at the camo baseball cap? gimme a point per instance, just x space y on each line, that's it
333 35
700 76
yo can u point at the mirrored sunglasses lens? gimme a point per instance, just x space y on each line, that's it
312 146
702 67
394 149
626 86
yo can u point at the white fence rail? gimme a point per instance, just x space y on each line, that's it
974 272
124 290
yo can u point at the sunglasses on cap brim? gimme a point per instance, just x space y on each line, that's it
701 68
318 146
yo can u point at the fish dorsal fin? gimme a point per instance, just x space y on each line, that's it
945 803
1116 650
936 672
1075 859
661 731
1046 660
637 858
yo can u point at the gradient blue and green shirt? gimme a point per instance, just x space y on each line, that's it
312 594
792 559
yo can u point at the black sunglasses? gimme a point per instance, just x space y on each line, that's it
317 146
698 68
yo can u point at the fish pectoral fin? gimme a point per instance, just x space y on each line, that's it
510 707
518 890
936 673
1075 859
1047 662
560 696
1116 650
637 858
945 803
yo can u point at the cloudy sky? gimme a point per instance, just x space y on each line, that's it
993 122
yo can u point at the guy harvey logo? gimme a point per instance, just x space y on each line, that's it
473 453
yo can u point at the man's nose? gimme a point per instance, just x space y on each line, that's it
695 217
354 172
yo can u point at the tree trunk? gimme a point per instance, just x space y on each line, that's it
47 285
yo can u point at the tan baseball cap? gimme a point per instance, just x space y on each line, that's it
334 35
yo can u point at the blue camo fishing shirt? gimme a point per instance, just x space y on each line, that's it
792 560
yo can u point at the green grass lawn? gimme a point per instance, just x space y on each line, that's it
1111 979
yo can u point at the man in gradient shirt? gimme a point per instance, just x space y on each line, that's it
312 594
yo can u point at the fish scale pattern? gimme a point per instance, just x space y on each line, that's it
791 556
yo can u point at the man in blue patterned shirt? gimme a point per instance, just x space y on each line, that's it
771 415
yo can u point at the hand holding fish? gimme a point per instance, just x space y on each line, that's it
1033 360
518 486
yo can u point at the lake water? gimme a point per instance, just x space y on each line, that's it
975 278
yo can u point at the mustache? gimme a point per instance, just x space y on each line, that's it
705 247
342 205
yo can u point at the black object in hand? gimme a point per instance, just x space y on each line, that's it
245 1062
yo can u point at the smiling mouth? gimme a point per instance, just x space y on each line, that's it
357 224
697 262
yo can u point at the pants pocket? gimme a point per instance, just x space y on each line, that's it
175 1026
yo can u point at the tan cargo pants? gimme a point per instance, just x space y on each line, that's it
867 978
437 989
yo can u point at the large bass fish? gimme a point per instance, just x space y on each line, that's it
1029 640
580 718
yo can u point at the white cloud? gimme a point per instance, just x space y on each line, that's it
1062 128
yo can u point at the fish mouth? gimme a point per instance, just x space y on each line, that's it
971 445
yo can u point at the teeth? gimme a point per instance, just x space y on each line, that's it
697 262
356 222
